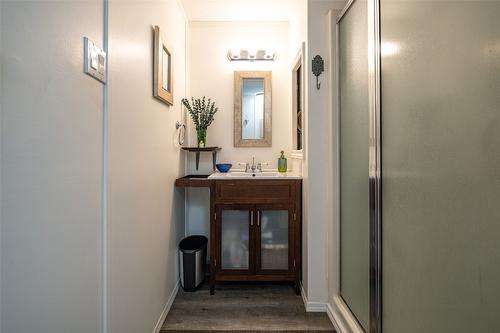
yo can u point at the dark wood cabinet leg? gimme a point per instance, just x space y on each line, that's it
297 288
211 278
213 238
212 287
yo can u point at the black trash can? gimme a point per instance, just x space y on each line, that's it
192 261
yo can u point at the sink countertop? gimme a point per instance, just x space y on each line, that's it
257 175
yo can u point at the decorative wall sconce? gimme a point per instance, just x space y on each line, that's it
251 55
318 67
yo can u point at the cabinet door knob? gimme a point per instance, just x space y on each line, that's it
251 218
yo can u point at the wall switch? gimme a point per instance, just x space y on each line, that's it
94 60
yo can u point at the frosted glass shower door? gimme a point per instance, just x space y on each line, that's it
354 155
441 166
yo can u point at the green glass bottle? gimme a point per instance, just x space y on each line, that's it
282 167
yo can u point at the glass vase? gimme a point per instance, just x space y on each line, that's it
202 137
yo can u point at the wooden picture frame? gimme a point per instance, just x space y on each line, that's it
266 140
163 79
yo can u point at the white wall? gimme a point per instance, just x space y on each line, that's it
318 196
0 165
146 211
298 36
333 246
298 26
310 24
51 146
52 168
51 151
212 76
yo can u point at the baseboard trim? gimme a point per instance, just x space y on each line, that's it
167 307
338 327
342 318
311 306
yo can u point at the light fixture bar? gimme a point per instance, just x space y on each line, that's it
251 55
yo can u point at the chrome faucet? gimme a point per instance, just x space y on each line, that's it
253 168
259 166
247 166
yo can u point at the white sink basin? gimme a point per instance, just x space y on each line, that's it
253 175
250 175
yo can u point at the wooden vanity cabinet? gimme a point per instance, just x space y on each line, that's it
255 231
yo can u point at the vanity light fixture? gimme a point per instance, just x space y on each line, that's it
251 55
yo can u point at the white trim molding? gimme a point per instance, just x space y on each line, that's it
331 316
167 307
297 154
342 318
311 306
298 61
338 313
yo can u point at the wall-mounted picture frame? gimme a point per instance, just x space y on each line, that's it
163 78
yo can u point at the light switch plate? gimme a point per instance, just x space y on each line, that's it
94 60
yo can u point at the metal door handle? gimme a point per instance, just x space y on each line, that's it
258 218
251 218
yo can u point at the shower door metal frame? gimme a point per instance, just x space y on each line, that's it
375 167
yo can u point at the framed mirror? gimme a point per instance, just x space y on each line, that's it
252 109
162 76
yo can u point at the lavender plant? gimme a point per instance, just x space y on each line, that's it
202 113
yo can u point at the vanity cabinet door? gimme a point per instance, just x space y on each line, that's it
275 239
235 239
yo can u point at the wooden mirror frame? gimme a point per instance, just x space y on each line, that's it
164 95
239 76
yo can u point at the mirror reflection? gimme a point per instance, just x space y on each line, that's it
253 109
166 61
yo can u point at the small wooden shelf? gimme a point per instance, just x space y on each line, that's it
193 181
197 150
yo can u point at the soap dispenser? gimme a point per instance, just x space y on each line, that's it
282 167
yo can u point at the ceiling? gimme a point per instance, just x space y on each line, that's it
239 10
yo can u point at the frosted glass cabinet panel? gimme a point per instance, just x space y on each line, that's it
354 191
235 242
274 239
441 166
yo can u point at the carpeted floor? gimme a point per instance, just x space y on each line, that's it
244 308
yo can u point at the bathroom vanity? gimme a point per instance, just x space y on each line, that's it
255 227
